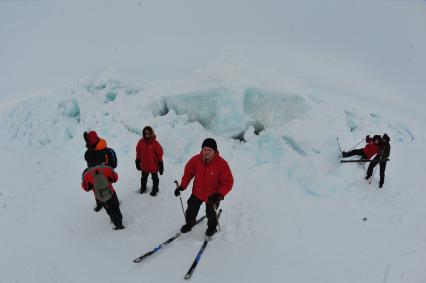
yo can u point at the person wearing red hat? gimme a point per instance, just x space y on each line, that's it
213 180
99 178
149 159
106 155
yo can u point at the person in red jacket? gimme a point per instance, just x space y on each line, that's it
93 142
368 151
213 180
149 159
99 178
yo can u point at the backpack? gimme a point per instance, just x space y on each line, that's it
100 185
111 158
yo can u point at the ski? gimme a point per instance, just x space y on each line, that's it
359 160
163 244
199 254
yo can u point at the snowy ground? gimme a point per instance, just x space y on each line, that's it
295 213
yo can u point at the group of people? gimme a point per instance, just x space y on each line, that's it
212 176
377 146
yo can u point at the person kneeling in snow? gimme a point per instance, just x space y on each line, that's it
99 178
382 158
368 151
213 180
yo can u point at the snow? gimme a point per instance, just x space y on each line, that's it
287 83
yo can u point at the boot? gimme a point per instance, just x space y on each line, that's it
210 232
185 228
154 192
98 206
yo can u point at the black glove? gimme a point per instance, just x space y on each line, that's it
215 199
85 139
160 167
138 165
178 190
367 138
110 180
90 186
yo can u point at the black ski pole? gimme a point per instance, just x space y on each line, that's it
181 203
217 218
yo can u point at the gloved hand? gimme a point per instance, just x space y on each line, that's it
178 190
138 165
160 167
110 180
85 139
215 199
367 138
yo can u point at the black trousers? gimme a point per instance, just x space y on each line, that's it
382 170
112 207
144 180
194 205
359 152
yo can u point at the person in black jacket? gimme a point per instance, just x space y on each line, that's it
382 158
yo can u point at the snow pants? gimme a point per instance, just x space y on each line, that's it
194 205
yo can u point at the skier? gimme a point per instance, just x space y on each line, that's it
368 151
149 159
212 181
381 157
99 178
106 154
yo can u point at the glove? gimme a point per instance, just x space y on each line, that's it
110 180
138 165
85 139
160 167
178 190
367 138
215 199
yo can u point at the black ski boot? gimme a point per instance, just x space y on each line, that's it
186 228
210 232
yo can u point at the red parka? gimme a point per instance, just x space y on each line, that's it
149 153
108 172
370 149
210 177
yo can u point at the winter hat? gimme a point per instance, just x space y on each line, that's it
92 138
91 157
209 142
386 138
377 137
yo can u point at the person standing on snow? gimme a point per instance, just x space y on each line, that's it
99 178
213 180
368 151
382 158
149 159
106 155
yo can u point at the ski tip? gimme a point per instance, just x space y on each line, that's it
136 260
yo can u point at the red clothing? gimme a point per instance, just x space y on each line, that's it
370 150
149 153
108 172
210 177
